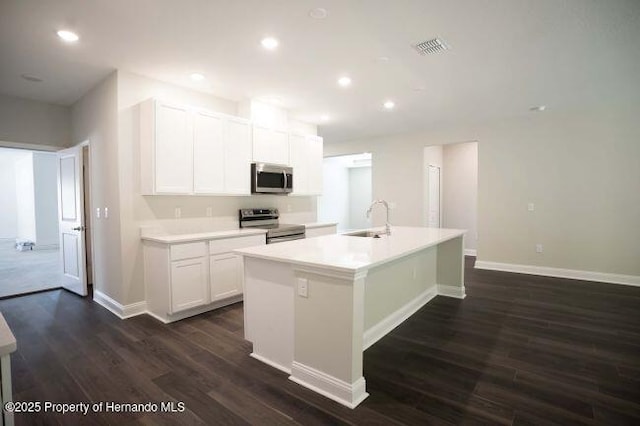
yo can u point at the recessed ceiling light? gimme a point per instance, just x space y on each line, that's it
419 88
538 108
383 59
389 104
344 81
68 36
269 43
196 76
318 13
32 78
324 117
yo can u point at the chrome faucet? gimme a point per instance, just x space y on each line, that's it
387 226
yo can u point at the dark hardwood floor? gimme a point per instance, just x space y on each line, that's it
519 350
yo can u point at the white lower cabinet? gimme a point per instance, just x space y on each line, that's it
185 279
188 284
226 275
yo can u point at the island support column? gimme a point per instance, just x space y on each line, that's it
328 333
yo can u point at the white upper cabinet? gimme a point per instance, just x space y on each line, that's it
208 154
237 156
270 146
306 159
188 151
166 134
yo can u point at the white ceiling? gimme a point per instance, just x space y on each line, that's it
506 55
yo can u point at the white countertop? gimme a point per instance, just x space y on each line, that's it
167 238
353 254
7 339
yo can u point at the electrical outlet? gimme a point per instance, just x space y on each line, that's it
178 212
289 207
209 212
531 207
303 287
415 273
538 248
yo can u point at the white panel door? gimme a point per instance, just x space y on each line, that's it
173 150
238 156
71 220
226 275
299 160
433 215
315 161
208 154
188 284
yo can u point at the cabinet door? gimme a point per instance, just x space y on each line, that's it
299 161
226 275
208 154
188 284
270 146
173 150
237 167
314 165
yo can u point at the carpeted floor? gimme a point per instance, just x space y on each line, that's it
27 271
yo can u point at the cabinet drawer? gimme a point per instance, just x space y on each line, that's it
188 250
229 244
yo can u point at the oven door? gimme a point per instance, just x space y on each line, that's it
285 238
271 179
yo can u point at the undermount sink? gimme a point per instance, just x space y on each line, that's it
368 234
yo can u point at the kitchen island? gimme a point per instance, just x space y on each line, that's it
313 306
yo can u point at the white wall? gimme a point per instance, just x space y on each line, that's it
580 168
95 118
25 203
31 122
359 197
333 204
45 193
8 208
460 189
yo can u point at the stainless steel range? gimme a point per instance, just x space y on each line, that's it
268 219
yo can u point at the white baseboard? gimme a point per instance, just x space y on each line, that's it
382 328
603 277
121 311
470 252
451 291
347 394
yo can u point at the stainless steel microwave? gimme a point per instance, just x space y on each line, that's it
271 179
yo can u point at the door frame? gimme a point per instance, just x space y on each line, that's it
92 219
54 149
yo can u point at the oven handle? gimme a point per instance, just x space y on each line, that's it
283 239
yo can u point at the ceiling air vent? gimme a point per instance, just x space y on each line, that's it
431 46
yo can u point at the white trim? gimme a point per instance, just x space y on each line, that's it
158 317
382 328
269 362
470 252
347 394
46 246
451 291
633 280
30 146
121 311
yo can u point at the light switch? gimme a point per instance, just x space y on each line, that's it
303 287
106 212
178 212
538 248
98 212
209 212
530 207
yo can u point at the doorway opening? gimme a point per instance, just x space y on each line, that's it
347 191
451 189
31 247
